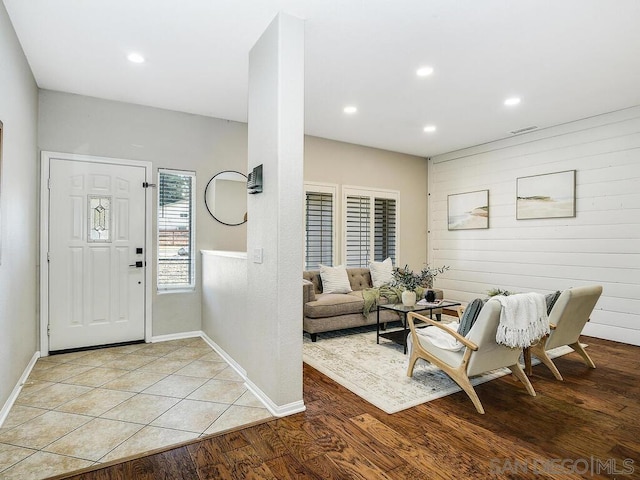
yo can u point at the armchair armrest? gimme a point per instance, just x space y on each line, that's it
410 318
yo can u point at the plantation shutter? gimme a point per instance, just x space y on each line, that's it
175 230
385 229
358 231
318 230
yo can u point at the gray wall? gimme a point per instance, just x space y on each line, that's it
19 214
600 245
84 125
343 164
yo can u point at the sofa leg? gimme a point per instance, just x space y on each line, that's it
314 336
438 316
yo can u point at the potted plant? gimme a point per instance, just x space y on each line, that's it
409 282
405 279
427 274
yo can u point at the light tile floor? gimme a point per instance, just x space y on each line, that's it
83 408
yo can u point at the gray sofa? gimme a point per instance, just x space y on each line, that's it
325 312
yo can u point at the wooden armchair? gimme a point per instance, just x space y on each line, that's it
568 317
479 353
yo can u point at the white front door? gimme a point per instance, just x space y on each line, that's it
96 253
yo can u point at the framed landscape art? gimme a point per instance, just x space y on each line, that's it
551 195
468 211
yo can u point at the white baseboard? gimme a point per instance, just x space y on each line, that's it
18 388
227 358
175 336
275 410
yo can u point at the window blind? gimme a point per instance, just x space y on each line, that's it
358 231
318 230
385 229
176 265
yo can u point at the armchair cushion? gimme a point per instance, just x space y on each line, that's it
440 338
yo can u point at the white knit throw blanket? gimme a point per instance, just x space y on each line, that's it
523 319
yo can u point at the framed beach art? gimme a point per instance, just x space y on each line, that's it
551 195
468 211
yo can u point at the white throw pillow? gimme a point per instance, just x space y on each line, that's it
334 279
381 272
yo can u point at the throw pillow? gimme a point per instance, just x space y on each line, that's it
551 299
470 316
381 272
334 279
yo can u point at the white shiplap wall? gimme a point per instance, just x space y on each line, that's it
601 245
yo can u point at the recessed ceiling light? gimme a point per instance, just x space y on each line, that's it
350 109
512 101
424 71
430 128
135 58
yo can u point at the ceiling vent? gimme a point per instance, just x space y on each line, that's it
523 130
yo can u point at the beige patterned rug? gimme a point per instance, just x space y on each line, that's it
378 373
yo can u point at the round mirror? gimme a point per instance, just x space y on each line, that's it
226 197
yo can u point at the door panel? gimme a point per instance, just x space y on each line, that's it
96 222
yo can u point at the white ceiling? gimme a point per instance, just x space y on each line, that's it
566 59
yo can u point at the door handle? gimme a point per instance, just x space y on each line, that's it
137 264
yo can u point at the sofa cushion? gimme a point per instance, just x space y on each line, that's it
334 279
359 278
381 272
332 304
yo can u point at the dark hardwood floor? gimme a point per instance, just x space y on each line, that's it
585 427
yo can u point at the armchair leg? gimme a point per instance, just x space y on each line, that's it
520 375
580 349
412 362
462 380
539 351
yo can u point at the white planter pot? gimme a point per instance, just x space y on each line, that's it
409 298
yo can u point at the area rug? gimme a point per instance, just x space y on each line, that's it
378 373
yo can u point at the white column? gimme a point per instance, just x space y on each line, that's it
273 326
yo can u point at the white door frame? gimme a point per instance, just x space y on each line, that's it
46 158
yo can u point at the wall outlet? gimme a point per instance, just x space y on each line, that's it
257 255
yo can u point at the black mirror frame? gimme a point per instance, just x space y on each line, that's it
206 204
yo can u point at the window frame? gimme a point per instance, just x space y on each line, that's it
372 194
191 285
323 188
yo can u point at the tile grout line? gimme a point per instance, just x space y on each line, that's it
77 361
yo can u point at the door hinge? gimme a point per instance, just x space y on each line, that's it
147 185
49 183
48 256
48 330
